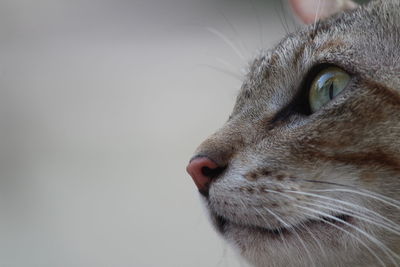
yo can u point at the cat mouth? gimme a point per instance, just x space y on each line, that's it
334 222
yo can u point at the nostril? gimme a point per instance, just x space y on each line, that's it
203 171
212 173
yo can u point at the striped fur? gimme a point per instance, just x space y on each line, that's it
320 189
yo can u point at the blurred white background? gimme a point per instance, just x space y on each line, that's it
101 105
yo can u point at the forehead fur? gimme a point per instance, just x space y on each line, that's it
364 41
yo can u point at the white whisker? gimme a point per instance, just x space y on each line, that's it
260 26
357 210
279 193
382 246
224 71
241 43
355 214
225 63
317 14
352 205
316 240
266 221
350 234
387 200
228 42
290 228
282 18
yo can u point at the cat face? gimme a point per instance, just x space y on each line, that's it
289 183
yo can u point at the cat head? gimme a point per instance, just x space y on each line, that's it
306 171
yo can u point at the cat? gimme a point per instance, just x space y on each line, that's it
306 171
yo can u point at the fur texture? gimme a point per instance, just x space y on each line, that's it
317 189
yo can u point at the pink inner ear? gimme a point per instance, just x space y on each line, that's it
307 10
302 8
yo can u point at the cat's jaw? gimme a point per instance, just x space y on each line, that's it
316 241
265 240
325 225
311 246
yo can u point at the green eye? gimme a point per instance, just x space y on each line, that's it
328 84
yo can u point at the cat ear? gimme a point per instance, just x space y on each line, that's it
310 10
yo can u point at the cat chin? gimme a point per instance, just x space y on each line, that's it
326 224
323 227
316 244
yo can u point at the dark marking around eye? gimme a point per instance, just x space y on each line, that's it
299 104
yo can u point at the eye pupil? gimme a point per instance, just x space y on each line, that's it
331 91
326 86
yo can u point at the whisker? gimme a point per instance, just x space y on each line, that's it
353 209
233 28
281 20
224 71
279 193
387 200
316 15
224 62
224 38
388 225
260 27
324 182
284 13
290 228
304 245
353 214
287 10
352 205
367 212
350 234
382 246
279 231
316 240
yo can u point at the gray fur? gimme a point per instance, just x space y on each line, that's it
352 141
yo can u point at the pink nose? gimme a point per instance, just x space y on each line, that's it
203 170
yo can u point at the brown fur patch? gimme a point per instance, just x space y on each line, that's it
298 55
387 94
332 143
367 176
330 45
274 59
255 175
251 176
375 158
280 177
